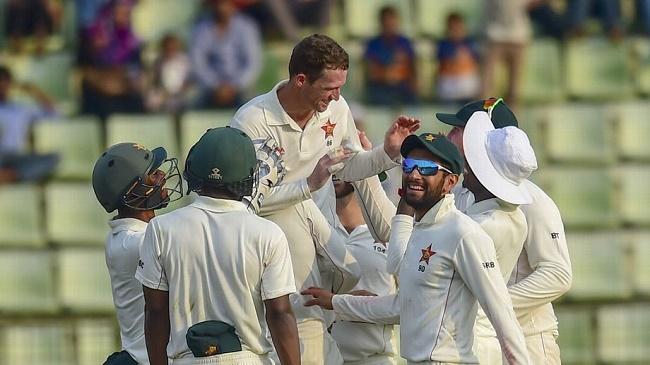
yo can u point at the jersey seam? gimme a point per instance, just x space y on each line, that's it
444 311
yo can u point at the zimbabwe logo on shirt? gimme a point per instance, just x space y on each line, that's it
328 128
426 255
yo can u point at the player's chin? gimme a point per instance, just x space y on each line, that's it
322 106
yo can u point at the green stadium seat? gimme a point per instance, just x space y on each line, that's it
51 73
427 115
78 143
634 194
431 17
274 68
633 131
154 18
196 123
642 53
542 74
600 266
624 333
362 17
148 130
530 121
26 282
579 133
640 244
577 338
96 339
585 196
354 88
598 69
74 216
44 343
83 281
21 220
375 122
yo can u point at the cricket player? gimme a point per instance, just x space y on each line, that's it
313 125
216 277
449 264
543 270
128 178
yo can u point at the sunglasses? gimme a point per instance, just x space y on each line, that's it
425 167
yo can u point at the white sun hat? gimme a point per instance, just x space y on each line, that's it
501 159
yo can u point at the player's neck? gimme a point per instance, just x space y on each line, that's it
349 212
290 101
143 215
481 193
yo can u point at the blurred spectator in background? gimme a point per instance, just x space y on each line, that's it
31 18
110 63
170 77
508 32
16 163
642 13
457 77
86 11
607 11
390 64
549 22
226 55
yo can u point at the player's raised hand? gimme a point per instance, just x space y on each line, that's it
326 166
397 133
322 297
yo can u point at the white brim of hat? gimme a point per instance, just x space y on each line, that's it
475 146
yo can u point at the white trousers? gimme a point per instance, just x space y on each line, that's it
231 358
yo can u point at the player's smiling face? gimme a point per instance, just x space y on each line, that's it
323 90
423 192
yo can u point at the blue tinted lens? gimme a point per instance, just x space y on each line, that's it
425 167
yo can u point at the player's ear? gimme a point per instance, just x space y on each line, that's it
300 79
450 181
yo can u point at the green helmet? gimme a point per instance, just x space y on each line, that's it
119 177
223 158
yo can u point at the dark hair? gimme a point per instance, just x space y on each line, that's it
5 73
454 17
386 11
315 54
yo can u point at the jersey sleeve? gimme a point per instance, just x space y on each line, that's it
376 208
150 271
475 260
401 229
548 256
382 309
277 274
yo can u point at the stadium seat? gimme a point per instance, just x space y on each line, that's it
640 244
432 15
78 143
642 53
598 69
51 73
362 17
577 335
21 220
634 193
425 65
633 131
530 121
579 133
196 123
624 333
26 281
600 266
585 196
83 281
154 18
542 75
354 88
96 339
42 343
274 68
148 130
427 115
375 122
73 214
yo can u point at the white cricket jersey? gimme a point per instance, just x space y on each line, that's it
506 224
449 263
312 241
358 341
122 253
264 117
543 271
218 262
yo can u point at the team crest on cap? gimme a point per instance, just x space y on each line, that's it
328 128
489 103
216 174
139 147
426 254
429 137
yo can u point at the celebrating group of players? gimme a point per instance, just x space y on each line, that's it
291 251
